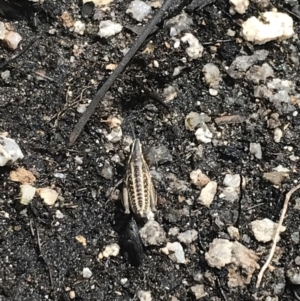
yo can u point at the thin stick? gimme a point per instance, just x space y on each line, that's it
20 53
198 4
276 236
100 94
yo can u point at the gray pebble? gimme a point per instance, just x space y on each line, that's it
198 277
257 74
295 237
297 260
107 172
188 236
242 63
293 276
157 155
152 234
179 23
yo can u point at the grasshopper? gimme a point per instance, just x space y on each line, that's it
138 193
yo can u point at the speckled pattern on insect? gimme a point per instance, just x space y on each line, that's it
138 193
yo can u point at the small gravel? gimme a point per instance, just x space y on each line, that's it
208 193
86 273
188 236
152 234
138 10
264 230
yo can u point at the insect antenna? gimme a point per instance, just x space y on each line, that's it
132 130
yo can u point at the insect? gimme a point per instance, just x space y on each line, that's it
138 193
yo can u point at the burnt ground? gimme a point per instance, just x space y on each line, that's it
40 258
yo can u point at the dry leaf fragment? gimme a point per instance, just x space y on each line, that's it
81 239
48 195
22 175
27 194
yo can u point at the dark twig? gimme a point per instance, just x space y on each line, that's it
291 12
220 289
20 53
100 94
198 4
41 256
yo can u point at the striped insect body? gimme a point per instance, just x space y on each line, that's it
139 194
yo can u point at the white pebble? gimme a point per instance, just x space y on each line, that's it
192 120
277 135
10 151
108 28
59 175
2 30
233 232
232 180
188 236
138 10
48 195
144 295
198 291
59 214
208 193
281 84
27 193
195 49
198 178
82 107
110 250
78 160
203 134
213 92
239 6
5 75
231 33
79 27
115 135
255 149
155 64
176 43
86 273
270 26
124 280
294 158
177 70
12 39
170 93
280 168
176 252
211 75
229 194
173 231
264 229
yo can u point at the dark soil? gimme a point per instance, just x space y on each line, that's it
40 259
